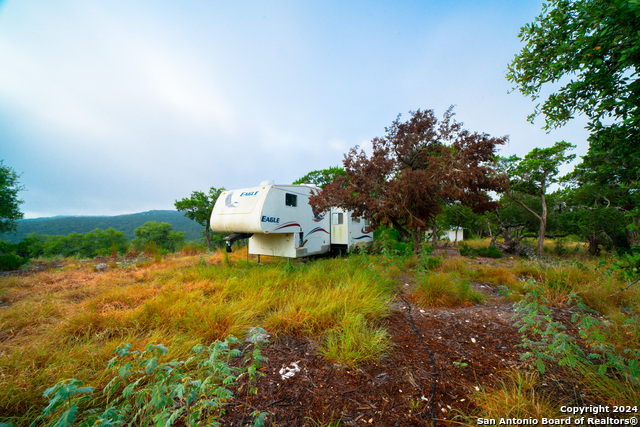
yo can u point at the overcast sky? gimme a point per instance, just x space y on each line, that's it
111 107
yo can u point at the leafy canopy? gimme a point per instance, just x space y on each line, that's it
595 44
538 169
199 205
9 201
587 52
419 166
532 175
321 177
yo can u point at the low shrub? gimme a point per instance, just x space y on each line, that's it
10 262
487 252
388 241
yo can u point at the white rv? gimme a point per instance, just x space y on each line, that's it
278 221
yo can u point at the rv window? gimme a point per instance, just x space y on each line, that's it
355 219
366 222
337 218
290 199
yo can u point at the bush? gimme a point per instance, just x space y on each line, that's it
11 262
465 250
388 241
488 252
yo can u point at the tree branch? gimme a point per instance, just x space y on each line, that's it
524 206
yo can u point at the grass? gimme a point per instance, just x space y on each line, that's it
355 341
66 323
445 289
516 396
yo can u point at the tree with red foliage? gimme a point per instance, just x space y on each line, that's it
419 166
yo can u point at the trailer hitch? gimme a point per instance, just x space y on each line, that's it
234 237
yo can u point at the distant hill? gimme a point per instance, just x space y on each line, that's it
64 225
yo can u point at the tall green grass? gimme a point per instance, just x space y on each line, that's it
442 289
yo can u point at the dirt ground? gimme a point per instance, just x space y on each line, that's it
448 355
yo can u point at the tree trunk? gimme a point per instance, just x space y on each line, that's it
632 234
417 241
614 241
543 220
594 244
434 233
207 233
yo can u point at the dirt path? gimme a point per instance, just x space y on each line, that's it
469 345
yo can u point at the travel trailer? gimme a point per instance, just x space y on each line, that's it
278 221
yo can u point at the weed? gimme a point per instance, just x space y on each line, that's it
414 404
388 241
546 340
150 392
489 252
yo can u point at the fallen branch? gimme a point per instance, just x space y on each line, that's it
626 287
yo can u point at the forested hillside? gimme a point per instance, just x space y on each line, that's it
63 226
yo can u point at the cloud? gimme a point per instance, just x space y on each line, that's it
105 106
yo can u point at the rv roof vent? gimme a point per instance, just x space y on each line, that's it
266 183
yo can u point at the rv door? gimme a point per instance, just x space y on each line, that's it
339 233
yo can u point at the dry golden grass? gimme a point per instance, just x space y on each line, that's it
66 322
517 396
499 275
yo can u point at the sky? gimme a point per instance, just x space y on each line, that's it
114 107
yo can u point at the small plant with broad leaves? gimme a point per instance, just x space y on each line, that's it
148 392
427 260
65 397
546 340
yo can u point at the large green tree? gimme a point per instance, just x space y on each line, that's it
586 55
532 175
321 177
9 201
198 207
160 234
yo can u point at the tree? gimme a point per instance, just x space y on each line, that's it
160 234
456 216
532 175
198 207
419 166
591 50
9 201
321 177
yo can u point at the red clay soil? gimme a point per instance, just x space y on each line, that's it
469 345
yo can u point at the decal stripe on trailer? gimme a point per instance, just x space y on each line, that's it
362 237
288 224
315 230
